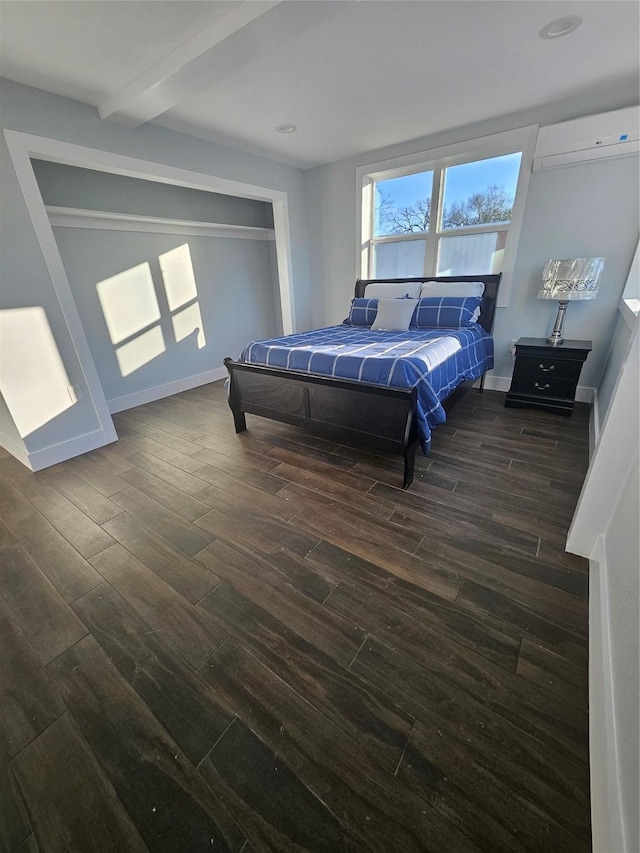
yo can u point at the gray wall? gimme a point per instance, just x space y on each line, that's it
588 210
23 274
70 186
235 295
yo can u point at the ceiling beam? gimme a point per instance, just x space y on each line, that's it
155 90
248 32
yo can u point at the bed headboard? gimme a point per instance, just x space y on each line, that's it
489 298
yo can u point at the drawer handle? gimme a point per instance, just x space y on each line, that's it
541 387
546 369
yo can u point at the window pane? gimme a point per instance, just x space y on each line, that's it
480 192
402 205
399 259
471 254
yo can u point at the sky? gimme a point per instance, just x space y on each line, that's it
461 181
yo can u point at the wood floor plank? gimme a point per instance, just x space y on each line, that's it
368 716
287 651
168 436
113 455
188 577
256 529
497 607
234 460
172 474
29 845
375 811
218 475
87 537
179 699
269 798
98 473
26 482
192 633
152 777
546 769
28 701
15 825
235 498
71 802
432 527
335 636
171 497
342 532
291 570
92 502
378 530
470 791
463 667
56 558
498 643
182 534
554 673
39 610
555 605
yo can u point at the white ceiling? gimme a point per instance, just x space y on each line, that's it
353 76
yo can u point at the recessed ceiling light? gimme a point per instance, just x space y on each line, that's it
560 27
286 128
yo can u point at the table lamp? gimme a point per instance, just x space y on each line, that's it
569 279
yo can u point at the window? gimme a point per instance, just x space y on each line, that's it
454 211
462 213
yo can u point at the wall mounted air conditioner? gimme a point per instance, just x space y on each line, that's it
614 134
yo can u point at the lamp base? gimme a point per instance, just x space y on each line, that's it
555 338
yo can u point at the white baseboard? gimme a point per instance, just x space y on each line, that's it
594 424
497 383
18 450
584 394
148 395
606 797
48 456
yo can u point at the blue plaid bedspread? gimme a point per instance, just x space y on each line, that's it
436 361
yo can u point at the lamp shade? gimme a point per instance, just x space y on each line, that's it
571 279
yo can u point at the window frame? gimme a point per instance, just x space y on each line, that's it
436 160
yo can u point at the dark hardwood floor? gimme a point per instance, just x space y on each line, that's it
260 642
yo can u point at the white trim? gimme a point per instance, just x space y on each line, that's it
523 139
47 456
157 392
19 451
594 425
607 823
73 217
158 88
22 146
284 264
616 448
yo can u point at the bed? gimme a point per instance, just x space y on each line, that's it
385 390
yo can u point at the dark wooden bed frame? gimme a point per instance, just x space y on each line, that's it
374 415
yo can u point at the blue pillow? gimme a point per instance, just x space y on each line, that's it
445 312
362 312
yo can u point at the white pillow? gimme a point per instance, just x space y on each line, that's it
394 315
451 288
389 290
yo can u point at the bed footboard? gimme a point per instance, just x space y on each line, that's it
376 416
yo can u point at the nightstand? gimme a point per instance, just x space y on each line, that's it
546 376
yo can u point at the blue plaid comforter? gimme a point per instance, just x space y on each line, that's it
436 361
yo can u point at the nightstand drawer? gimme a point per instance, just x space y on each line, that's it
548 367
544 386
